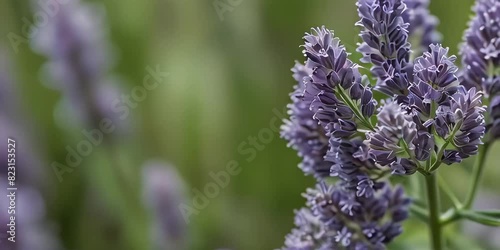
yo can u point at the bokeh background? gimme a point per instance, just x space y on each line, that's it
227 73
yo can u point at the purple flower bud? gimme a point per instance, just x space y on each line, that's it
451 156
343 128
368 104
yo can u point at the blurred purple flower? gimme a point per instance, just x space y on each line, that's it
33 230
164 192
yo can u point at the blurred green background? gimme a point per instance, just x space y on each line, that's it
226 77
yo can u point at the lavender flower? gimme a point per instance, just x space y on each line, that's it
436 69
422 29
338 219
481 55
334 85
385 44
303 132
396 134
164 191
463 120
435 81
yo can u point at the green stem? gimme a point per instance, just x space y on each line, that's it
449 216
477 172
434 211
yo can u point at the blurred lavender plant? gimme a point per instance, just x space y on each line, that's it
75 40
430 117
33 229
164 191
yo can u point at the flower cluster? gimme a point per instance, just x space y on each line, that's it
436 102
481 56
330 106
338 219
430 118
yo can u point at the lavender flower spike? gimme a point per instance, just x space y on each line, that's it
434 80
303 132
396 134
463 119
337 219
334 85
385 44
436 68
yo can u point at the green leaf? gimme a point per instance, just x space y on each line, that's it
488 218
